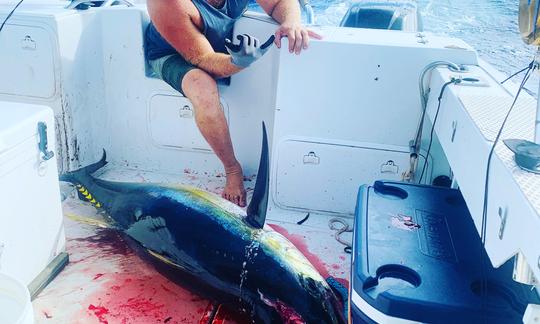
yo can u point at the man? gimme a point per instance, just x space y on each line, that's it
188 45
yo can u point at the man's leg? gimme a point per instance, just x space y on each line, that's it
202 90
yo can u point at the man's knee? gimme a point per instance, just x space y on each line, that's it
199 85
201 89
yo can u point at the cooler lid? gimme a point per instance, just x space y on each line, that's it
19 122
418 257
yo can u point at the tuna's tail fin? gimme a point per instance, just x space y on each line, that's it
87 190
76 175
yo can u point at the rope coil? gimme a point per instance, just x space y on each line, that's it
343 227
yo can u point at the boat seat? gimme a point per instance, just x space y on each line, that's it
130 52
383 15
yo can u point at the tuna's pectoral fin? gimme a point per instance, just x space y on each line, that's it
152 233
256 211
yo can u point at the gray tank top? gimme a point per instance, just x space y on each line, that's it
218 25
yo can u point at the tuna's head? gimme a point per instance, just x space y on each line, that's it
313 303
322 304
306 294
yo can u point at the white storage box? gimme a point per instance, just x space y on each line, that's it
329 173
31 226
27 56
172 123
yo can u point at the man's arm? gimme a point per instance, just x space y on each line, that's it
287 13
173 21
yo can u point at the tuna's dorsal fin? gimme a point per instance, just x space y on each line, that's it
256 211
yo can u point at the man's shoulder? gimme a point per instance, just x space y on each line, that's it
177 8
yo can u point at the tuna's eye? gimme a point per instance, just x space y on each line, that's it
311 286
137 213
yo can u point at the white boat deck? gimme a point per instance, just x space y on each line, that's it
107 282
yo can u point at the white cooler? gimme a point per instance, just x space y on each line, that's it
32 237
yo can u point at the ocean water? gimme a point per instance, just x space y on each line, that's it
490 26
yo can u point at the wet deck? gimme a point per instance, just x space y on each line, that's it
107 282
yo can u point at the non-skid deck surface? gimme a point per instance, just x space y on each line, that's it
107 282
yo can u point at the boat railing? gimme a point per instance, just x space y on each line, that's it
85 4
308 10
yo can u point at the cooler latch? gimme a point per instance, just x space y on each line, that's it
43 143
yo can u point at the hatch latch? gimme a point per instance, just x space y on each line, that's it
43 142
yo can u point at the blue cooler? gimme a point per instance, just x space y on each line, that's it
417 258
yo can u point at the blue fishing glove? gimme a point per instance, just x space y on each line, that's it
248 50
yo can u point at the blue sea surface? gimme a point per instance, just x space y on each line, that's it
490 26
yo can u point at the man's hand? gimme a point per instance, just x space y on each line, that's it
248 50
297 34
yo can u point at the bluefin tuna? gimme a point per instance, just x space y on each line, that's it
215 251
